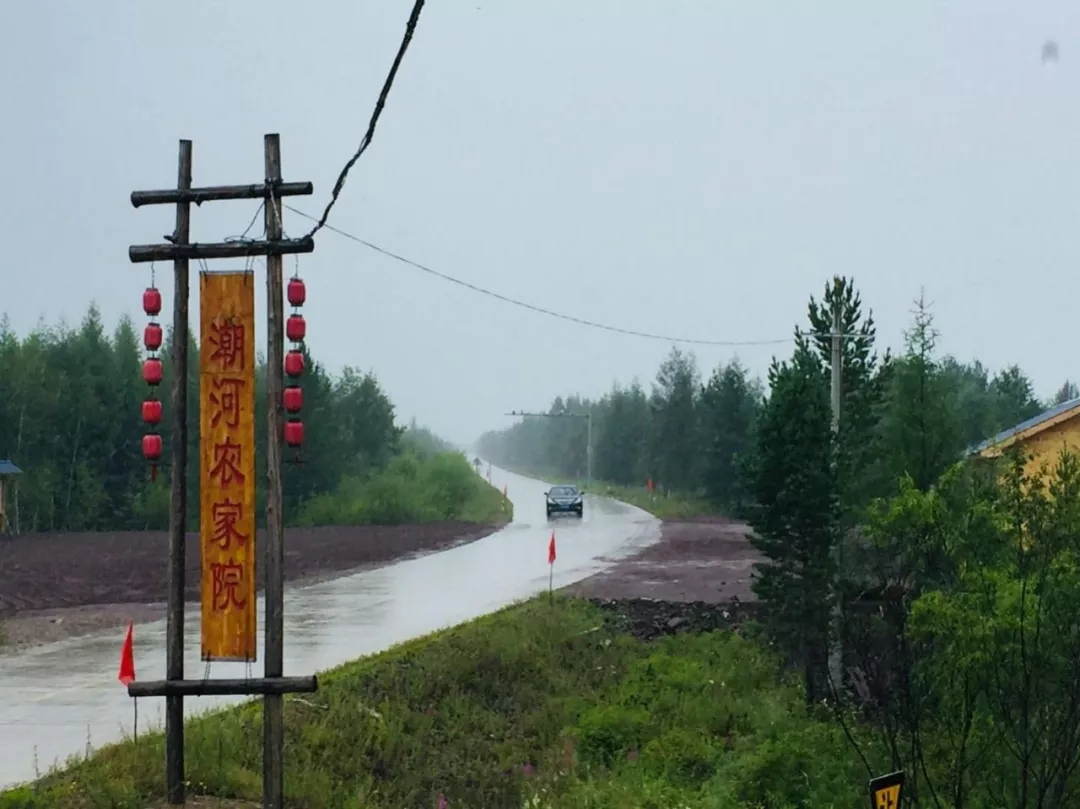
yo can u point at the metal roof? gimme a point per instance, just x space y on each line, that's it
1034 421
8 468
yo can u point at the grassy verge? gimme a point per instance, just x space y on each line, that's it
670 506
412 488
536 706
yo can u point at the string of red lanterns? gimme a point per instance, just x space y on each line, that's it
153 371
293 395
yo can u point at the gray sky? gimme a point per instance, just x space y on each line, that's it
687 168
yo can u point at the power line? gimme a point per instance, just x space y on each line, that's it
410 27
533 307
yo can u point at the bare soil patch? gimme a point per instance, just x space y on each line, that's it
54 586
706 560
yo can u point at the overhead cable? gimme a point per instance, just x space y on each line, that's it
533 307
410 28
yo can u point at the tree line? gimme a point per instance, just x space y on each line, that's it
957 580
690 434
70 418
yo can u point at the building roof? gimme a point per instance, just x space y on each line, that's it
1026 429
8 468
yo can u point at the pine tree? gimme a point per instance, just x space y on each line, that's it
729 407
920 432
675 435
792 478
1066 393
865 380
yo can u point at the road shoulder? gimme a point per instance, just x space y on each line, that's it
706 560
59 586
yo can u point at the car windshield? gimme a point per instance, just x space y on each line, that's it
563 491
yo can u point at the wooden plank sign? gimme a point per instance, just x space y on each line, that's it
227 464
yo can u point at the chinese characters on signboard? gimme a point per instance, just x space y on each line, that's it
227 464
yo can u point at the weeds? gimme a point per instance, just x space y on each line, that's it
664 506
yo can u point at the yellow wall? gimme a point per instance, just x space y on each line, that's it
1046 445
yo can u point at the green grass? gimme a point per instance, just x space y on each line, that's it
411 489
539 705
671 506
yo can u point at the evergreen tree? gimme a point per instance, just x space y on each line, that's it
920 433
729 407
1066 393
795 520
865 381
70 417
673 414
1015 398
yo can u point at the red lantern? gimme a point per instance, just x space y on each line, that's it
151 446
152 336
293 398
295 328
151 301
297 292
294 363
152 371
294 433
151 411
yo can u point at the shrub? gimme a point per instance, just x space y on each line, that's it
411 488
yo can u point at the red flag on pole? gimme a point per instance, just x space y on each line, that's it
127 656
551 549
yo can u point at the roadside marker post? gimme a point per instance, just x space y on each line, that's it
886 790
551 568
178 249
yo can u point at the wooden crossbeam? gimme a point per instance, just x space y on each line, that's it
142 253
224 687
172 196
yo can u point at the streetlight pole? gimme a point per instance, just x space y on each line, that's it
588 434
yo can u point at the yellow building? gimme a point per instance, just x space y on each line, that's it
1042 437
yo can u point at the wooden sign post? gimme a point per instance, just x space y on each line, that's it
227 465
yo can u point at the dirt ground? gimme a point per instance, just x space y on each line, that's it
707 560
54 586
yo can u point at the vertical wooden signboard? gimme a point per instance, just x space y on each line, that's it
227 464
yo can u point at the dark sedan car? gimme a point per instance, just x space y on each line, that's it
565 500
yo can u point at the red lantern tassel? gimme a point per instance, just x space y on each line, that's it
153 472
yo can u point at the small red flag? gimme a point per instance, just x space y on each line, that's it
127 656
650 484
551 549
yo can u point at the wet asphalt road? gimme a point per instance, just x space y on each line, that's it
57 699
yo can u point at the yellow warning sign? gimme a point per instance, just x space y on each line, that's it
885 791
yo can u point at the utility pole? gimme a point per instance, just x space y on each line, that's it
273 685
174 621
836 389
836 649
588 434
588 452
273 705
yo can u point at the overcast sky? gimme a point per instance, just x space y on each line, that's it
697 169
